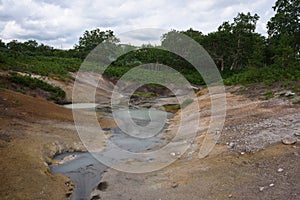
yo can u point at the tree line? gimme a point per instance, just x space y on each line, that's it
234 46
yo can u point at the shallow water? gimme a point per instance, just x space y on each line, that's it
81 106
86 172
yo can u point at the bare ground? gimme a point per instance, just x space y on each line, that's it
32 130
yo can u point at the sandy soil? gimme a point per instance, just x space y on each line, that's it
32 130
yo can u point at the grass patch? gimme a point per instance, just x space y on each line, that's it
41 65
267 75
172 108
296 102
269 94
144 94
56 94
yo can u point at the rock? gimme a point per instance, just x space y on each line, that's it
231 145
173 154
297 134
68 183
261 189
280 170
272 185
289 140
289 94
68 194
242 153
96 197
102 186
174 185
151 159
67 159
5 138
230 196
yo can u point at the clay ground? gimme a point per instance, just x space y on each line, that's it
32 130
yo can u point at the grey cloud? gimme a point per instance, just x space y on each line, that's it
63 22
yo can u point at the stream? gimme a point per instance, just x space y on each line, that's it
86 172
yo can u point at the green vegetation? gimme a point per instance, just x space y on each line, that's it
56 93
267 75
91 39
41 65
242 55
173 108
269 95
144 94
296 103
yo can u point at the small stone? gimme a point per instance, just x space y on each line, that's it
173 154
289 140
272 185
174 185
289 94
242 153
230 196
96 197
68 194
231 145
261 189
102 186
297 134
280 170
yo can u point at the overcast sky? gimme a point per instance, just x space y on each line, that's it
60 23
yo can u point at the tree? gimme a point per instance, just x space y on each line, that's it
2 45
91 39
194 34
219 45
15 47
284 31
286 19
234 45
243 29
31 45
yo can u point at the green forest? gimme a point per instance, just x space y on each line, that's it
242 55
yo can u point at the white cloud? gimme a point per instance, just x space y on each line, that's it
62 22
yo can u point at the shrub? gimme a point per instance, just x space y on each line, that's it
56 93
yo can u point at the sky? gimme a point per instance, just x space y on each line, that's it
60 23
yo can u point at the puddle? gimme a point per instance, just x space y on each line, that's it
86 172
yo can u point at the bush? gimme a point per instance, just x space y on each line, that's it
56 93
41 65
267 75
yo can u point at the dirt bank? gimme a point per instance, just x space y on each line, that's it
244 164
